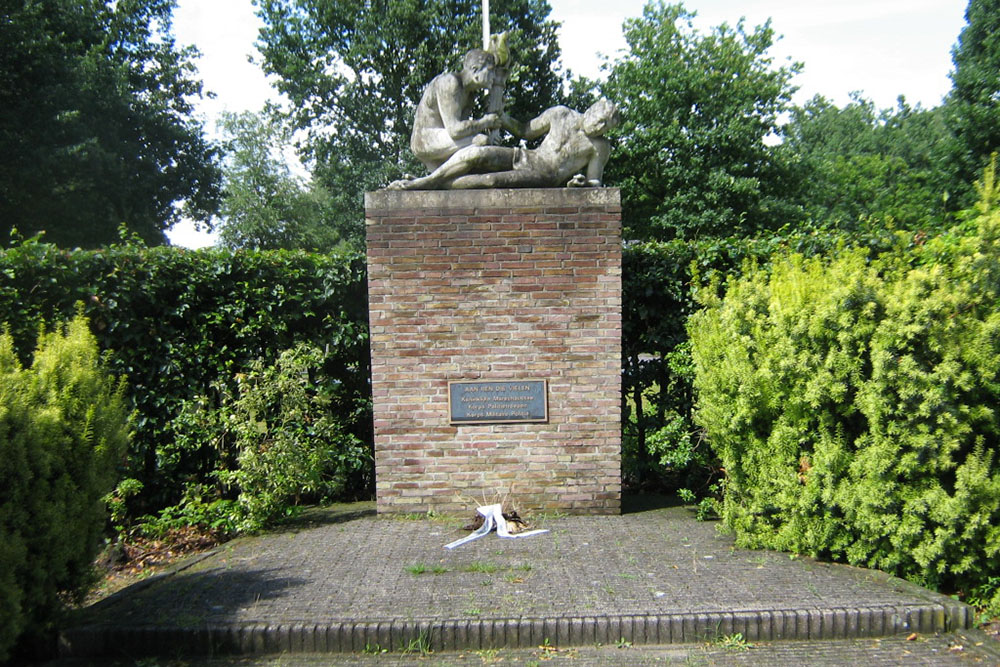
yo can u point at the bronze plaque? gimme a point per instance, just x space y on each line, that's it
498 401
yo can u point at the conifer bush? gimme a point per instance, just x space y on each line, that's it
63 432
853 404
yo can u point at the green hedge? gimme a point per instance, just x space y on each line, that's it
661 443
853 403
175 321
63 431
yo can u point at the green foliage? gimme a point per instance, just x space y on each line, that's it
696 109
973 106
986 597
63 432
858 163
96 122
354 71
263 206
177 322
661 442
852 403
286 442
200 505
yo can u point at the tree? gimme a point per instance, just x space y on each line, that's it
95 122
354 71
974 102
263 206
863 165
697 110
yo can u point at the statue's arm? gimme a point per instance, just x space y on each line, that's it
534 128
599 158
449 96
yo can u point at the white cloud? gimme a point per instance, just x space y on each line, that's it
225 32
882 47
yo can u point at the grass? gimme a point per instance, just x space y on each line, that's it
482 568
420 644
420 568
734 642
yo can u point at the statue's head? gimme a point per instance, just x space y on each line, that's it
600 117
477 68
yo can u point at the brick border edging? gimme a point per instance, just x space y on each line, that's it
477 634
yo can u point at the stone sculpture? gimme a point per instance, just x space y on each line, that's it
572 153
441 126
457 150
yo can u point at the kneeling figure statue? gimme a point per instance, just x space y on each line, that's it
572 153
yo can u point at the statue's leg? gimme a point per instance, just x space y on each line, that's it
466 160
513 178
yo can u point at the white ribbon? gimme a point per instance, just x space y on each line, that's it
492 515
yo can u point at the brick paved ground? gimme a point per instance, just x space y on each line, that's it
351 581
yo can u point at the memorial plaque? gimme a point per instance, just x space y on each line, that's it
498 401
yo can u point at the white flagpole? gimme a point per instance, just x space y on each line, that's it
486 25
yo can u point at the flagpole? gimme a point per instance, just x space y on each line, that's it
486 25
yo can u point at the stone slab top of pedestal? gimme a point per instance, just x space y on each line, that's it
500 198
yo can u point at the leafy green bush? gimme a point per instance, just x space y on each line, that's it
279 431
178 322
63 432
853 402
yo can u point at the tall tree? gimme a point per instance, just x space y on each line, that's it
354 71
697 110
96 124
974 102
862 165
263 205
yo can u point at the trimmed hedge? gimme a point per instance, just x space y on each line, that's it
853 403
63 431
174 321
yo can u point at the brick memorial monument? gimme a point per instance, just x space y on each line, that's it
494 286
496 348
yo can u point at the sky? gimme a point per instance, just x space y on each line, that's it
881 48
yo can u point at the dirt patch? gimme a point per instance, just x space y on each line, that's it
124 563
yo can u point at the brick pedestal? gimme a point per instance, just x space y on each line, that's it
496 285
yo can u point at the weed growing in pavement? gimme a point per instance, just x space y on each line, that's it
734 642
488 655
420 644
374 649
484 568
420 568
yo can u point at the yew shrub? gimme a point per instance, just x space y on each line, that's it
853 402
63 433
